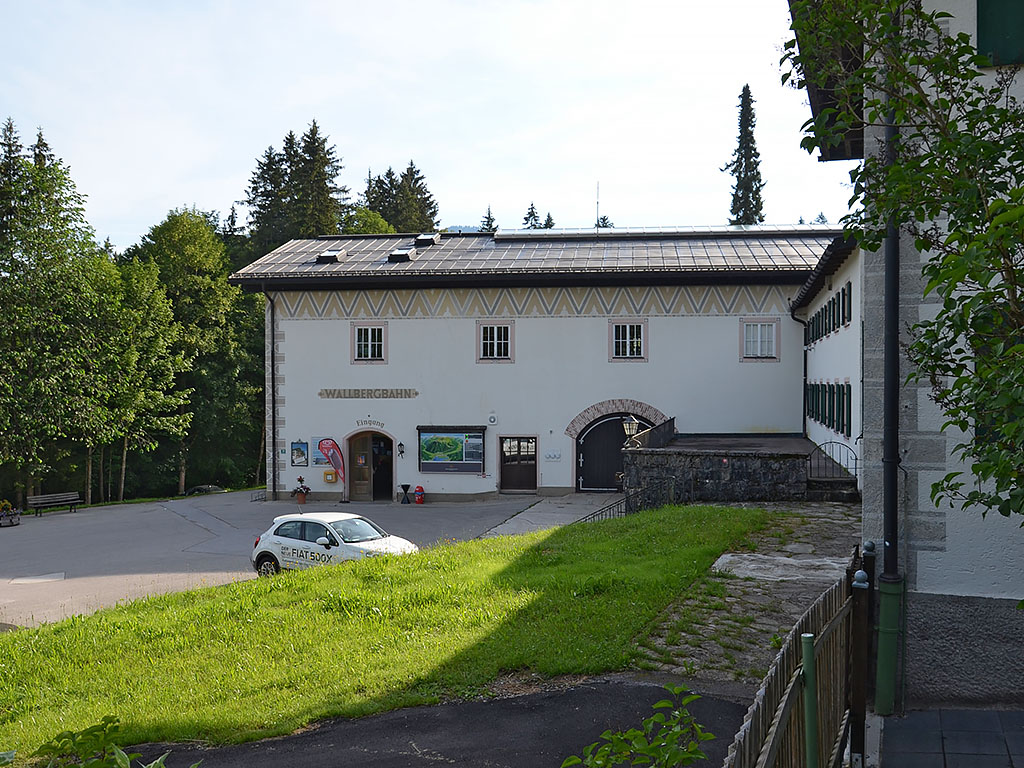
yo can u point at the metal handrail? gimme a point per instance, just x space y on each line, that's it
832 461
646 497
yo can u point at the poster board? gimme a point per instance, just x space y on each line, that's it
451 449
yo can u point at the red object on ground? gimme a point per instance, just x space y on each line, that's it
418 494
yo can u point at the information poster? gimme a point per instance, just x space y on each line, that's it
319 458
451 451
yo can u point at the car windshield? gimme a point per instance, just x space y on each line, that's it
357 529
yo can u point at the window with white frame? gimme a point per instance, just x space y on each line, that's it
369 342
627 340
759 339
495 342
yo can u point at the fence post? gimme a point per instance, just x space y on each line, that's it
869 567
810 701
859 638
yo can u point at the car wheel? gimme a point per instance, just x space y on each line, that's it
267 566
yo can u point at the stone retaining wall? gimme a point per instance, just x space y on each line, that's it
718 475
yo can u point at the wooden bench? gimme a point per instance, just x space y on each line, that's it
39 503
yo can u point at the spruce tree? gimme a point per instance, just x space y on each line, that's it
294 193
318 200
604 223
549 223
12 181
487 223
268 206
745 167
424 210
532 219
403 201
381 195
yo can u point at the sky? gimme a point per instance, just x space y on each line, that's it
163 105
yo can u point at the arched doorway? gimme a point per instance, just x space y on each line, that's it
599 452
371 467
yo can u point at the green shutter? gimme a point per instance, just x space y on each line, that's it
849 408
840 409
1001 31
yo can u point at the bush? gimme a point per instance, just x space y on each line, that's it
671 740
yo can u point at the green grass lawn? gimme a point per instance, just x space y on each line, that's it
259 658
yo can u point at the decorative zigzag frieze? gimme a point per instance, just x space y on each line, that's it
573 301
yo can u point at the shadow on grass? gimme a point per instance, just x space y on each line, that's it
263 658
583 596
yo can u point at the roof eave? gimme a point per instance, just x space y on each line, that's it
775 276
851 146
829 263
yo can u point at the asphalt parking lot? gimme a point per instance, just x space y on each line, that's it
62 563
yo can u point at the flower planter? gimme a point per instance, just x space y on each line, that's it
300 498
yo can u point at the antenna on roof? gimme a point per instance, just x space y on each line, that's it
597 206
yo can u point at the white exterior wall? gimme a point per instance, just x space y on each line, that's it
836 358
561 368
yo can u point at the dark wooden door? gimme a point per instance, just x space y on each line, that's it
360 467
518 463
599 457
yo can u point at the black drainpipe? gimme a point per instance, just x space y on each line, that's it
273 394
890 584
792 314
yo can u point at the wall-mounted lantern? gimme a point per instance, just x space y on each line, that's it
401 450
631 426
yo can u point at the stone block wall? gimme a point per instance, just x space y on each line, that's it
718 475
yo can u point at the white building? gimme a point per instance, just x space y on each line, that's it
477 363
830 306
962 571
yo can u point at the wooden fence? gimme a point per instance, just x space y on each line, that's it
790 726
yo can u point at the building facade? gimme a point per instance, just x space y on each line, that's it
961 624
471 364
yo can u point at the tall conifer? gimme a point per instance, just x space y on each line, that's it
487 223
745 167
403 201
532 219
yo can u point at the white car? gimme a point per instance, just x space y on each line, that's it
318 538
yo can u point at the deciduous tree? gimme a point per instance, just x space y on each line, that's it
954 180
193 270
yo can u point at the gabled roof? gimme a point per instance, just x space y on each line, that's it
829 264
637 256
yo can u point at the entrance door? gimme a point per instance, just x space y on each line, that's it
370 467
599 454
383 468
518 463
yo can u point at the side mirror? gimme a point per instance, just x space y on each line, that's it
323 541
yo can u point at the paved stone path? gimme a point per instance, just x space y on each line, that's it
723 635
